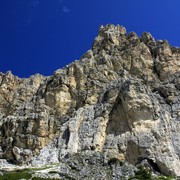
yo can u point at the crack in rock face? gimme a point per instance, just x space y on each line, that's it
121 100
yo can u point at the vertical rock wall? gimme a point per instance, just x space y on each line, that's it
122 99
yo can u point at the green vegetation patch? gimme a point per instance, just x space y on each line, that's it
39 178
15 176
145 174
142 174
26 173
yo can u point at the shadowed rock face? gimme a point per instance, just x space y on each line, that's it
122 98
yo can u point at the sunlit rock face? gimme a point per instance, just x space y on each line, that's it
121 99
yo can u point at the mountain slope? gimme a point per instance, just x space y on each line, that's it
121 99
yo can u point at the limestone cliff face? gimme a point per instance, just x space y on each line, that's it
122 99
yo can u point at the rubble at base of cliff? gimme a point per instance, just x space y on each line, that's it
87 165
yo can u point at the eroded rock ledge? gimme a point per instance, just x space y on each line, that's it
122 99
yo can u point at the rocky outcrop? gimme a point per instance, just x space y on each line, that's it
121 99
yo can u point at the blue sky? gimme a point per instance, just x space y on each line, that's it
40 36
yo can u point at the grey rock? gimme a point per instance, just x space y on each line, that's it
119 103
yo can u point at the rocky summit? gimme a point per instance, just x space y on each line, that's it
101 117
